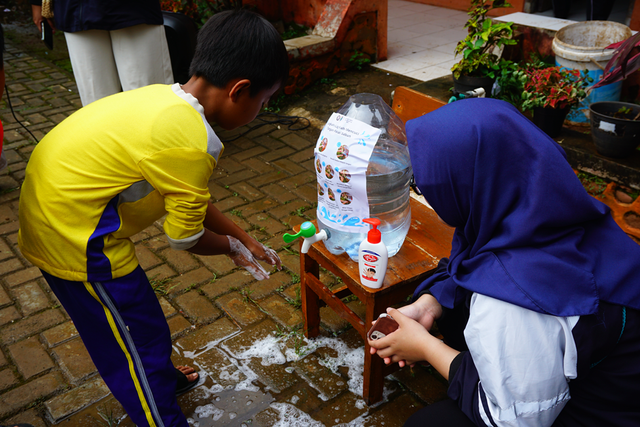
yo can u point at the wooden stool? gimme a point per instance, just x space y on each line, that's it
428 240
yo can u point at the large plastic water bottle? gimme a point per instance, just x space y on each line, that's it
388 176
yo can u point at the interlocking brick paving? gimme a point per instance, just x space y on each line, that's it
244 337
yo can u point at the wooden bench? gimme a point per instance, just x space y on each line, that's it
428 240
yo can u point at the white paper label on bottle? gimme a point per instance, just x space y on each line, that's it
341 160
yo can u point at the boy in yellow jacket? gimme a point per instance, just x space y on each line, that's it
117 165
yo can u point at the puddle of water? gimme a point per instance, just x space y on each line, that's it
243 403
226 407
289 415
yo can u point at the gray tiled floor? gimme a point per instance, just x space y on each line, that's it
421 38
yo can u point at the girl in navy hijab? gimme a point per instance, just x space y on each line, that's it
541 282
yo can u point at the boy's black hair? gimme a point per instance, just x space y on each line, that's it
240 44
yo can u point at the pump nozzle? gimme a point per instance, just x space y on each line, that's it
308 232
374 235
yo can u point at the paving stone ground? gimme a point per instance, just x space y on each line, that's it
242 335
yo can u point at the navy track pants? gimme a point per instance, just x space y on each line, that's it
122 326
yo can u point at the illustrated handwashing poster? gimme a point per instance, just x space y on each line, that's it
341 160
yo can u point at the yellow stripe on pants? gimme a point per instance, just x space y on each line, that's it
132 371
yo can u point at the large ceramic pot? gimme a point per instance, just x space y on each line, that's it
550 120
468 83
615 136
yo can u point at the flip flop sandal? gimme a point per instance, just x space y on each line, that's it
184 385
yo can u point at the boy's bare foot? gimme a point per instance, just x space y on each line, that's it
187 379
191 373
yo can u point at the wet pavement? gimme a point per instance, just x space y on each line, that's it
243 336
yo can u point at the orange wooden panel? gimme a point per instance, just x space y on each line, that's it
409 104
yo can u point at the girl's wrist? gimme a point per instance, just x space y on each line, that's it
431 306
439 355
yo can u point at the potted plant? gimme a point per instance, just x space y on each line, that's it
615 125
550 92
480 49
510 83
615 128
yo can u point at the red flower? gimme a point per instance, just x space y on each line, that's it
553 87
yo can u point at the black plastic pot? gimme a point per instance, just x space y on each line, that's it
612 136
467 83
550 120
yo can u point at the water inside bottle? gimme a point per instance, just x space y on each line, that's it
388 179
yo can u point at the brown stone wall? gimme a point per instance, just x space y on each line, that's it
360 37
302 12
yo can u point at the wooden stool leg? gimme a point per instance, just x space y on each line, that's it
373 364
310 300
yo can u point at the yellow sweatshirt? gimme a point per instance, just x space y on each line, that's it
110 170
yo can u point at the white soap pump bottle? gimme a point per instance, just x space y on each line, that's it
372 256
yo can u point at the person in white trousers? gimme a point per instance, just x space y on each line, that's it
113 46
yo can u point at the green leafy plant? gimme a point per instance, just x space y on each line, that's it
478 49
513 77
510 84
246 294
626 113
349 298
554 87
297 302
190 287
160 286
275 104
359 60
299 343
297 339
592 183
327 81
293 30
108 417
295 278
624 110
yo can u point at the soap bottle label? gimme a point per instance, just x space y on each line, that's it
369 266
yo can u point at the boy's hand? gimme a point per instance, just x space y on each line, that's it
264 253
242 257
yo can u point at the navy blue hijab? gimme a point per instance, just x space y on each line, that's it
526 231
